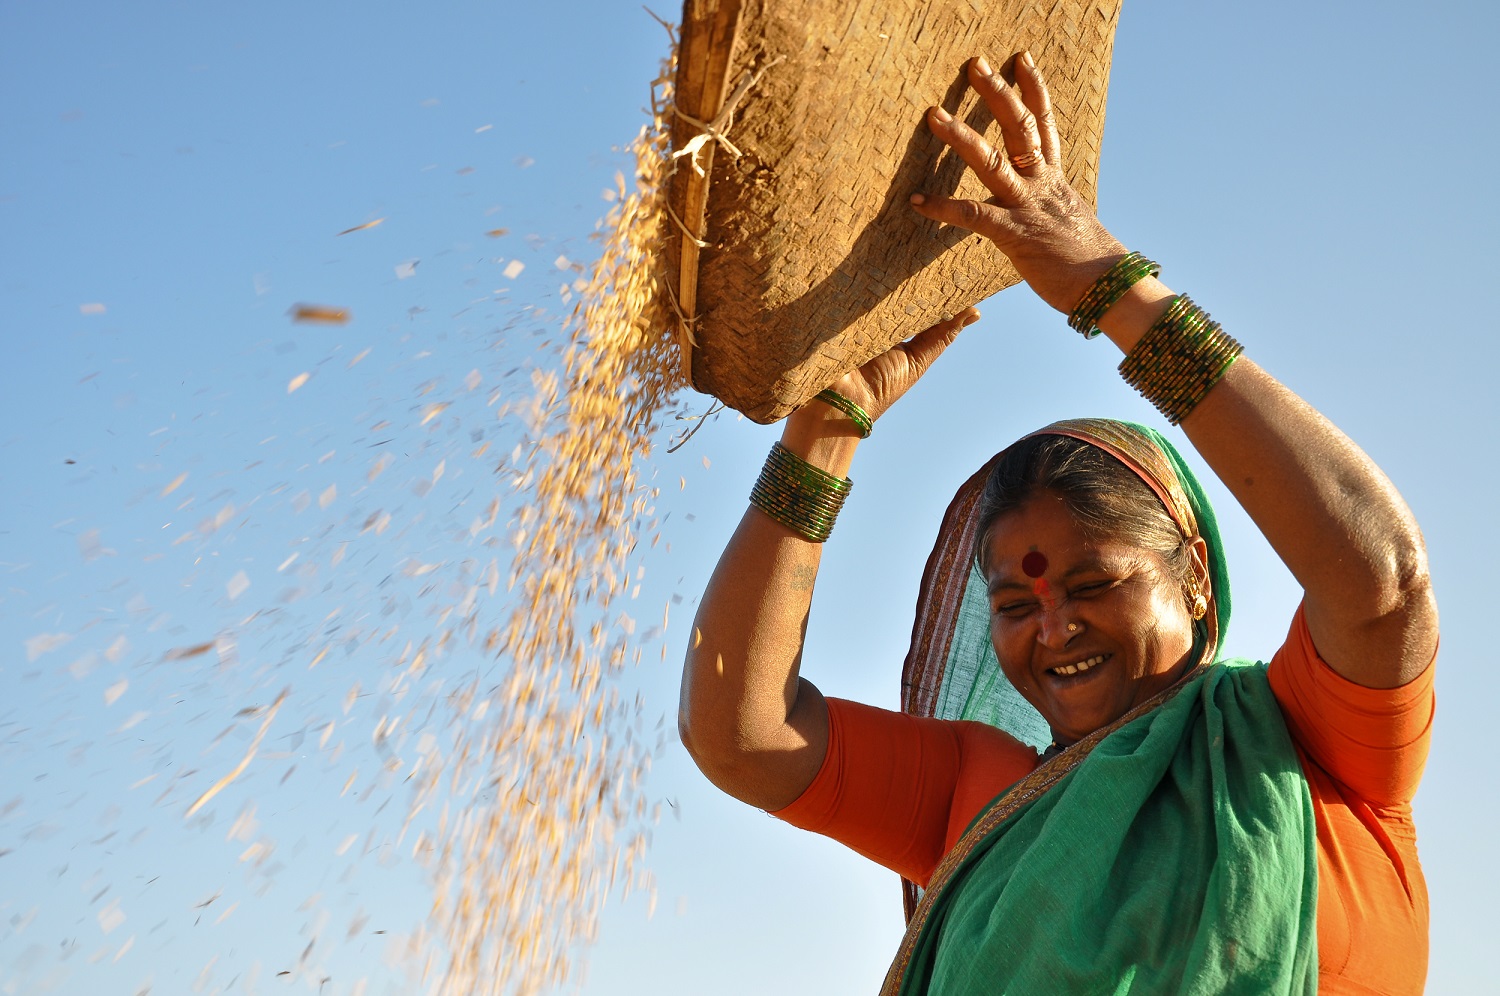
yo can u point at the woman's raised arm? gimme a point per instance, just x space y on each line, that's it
1332 516
754 726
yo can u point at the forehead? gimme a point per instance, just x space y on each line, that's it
1042 536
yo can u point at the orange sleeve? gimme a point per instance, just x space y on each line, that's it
887 785
1372 740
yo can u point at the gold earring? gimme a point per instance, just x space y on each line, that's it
1198 602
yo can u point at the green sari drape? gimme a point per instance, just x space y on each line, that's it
1172 852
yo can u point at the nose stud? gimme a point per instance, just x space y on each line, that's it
1072 627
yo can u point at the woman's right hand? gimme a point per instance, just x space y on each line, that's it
1035 216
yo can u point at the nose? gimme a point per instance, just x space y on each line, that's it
1058 626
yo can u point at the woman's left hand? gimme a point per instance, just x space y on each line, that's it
878 384
1035 217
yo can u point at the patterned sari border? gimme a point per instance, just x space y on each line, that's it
938 602
1137 452
939 599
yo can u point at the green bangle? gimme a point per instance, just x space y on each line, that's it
798 495
1108 290
857 415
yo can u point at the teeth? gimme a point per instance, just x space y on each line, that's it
1080 666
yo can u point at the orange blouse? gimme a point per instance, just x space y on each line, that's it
902 790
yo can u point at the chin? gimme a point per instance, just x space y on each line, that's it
1077 724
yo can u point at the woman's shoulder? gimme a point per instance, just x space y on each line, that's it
991 760
972 737
982 738
1373 741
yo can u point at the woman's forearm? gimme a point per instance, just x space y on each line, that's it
1327 510
754 727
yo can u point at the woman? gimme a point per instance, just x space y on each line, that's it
1193 826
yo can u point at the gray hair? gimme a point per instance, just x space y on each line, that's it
1106 498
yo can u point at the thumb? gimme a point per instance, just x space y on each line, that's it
926 346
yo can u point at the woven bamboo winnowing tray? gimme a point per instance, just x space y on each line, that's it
811 258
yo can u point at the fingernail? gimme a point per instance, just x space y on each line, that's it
1027 60
942 115
970 320
982 64
918 199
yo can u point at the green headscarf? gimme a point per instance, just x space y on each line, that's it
1171 852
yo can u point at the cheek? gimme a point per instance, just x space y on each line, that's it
1005 640
1171 631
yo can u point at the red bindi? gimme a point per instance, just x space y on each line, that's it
1034 564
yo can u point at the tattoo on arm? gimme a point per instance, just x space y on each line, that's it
803 576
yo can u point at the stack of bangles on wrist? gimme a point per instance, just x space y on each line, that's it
804 498
1179 359
1108 290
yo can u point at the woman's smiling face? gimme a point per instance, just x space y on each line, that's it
1085 629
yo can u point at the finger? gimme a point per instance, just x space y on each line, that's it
1023 142
986 219
984 159
926 346
1035 96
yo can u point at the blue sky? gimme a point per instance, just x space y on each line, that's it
172 182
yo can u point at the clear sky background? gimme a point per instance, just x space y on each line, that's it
172 176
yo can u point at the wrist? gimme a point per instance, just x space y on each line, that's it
1135 312
1092 260
822 436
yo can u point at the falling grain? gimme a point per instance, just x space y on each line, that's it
182 653
239 769
319 314
361 228
521 877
